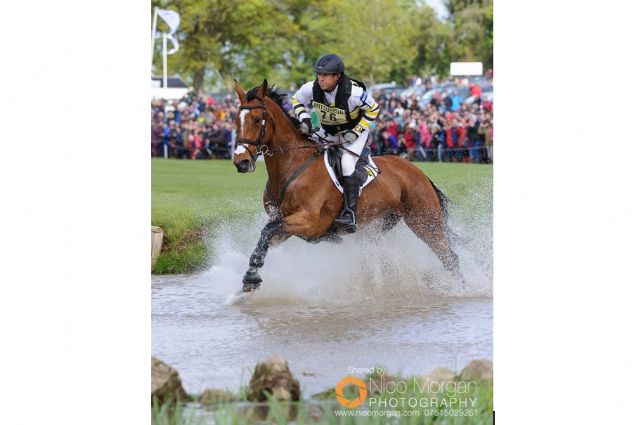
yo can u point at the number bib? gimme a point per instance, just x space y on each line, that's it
330 115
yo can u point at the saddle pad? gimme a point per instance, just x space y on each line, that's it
371 172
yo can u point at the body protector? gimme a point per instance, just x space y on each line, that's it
347 107
337 118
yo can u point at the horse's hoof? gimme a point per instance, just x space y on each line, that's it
250 287
350 228
251 281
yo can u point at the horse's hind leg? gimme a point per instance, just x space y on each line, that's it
271 234
432 232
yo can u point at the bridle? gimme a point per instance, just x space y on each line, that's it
262 149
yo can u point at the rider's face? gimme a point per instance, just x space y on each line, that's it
327 81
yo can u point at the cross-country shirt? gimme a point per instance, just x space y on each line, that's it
332 116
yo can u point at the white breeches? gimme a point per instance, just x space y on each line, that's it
348 160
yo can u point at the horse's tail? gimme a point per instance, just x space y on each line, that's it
444 206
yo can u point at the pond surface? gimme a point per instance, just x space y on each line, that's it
326 308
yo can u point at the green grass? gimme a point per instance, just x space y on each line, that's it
189 198
329 412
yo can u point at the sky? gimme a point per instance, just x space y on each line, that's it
438 5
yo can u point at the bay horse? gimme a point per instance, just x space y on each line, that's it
301 199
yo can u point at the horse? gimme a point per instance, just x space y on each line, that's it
301 199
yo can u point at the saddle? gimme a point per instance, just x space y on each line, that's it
365 167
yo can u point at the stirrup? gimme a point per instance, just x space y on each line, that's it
346 223
343 217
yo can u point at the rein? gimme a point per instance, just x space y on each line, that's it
263 149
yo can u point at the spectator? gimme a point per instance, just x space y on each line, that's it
460 135
217 141
171 138
157 134
486 132
447 102
424 146
410 141
443 129
390 143
456 100
475 144
402 147
449 144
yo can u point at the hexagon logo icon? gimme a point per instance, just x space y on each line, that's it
362 392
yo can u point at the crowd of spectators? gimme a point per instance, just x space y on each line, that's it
446 129
194 127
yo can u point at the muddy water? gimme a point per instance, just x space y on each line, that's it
374 300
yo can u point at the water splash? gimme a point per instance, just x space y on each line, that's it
367 266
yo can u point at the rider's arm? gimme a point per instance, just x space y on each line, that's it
363 100
301 98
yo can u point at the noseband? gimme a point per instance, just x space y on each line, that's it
259 144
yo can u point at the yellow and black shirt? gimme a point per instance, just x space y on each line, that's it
347 107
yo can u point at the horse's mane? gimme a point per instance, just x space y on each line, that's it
279 96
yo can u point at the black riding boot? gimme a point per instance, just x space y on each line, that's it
347 219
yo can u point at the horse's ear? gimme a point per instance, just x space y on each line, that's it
262 91
241 94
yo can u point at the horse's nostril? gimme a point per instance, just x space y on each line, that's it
245 164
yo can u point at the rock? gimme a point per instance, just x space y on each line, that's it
441 374
477 370
436 379
214 396
166 385
274 377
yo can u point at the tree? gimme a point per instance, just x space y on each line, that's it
281 39
373 38
453 6
432 39
234 39
472 29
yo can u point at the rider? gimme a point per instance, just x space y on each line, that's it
346 111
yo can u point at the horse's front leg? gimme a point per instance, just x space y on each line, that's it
271 234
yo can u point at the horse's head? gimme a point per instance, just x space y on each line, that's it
254 128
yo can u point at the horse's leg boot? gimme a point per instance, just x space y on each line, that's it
347 219
251 280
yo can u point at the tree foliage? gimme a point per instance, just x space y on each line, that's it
472 30
379 40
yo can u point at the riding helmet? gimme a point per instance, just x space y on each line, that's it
329 64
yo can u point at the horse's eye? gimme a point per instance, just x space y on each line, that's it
256 120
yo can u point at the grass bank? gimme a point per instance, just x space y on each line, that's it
190 198
467 404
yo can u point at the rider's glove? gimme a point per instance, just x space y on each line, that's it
306 127
350 136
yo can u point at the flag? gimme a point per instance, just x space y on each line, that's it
171 18
173 41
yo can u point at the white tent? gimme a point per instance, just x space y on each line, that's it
176 88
